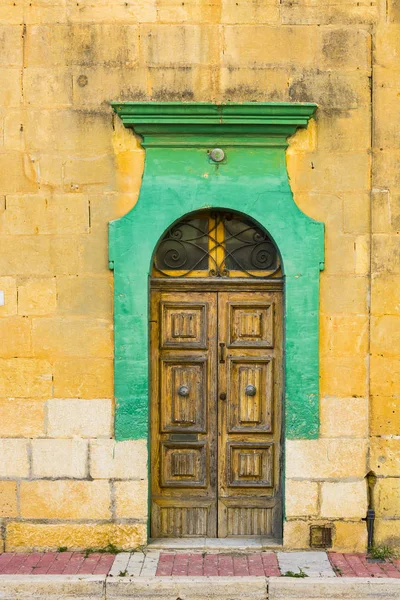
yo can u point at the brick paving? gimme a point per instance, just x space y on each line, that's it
263 564
55 563
178 564
357 565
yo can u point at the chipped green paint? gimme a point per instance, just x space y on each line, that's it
179 178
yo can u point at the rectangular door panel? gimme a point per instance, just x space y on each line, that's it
250 464
250 391
184 464
250 324
184 394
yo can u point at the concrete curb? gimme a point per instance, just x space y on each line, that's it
102 587
187 588
346 588
52 587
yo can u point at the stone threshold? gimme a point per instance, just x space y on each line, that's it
204 544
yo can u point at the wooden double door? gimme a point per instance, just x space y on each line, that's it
216 365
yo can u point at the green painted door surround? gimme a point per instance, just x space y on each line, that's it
180 177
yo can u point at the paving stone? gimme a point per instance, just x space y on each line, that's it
314 564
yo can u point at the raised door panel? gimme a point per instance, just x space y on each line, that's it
183 414
184 394
250 392
250 324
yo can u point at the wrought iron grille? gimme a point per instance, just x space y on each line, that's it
217 244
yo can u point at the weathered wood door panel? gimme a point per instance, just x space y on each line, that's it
249 420
216 413
183 415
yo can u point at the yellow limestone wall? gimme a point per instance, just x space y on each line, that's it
67 167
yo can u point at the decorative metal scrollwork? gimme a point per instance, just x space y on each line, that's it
217 243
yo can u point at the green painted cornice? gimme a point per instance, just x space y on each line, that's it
199 124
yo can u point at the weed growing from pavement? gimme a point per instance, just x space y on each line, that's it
299 575
381 553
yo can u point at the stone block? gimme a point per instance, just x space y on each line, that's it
356 212
344 294
296 535
8 499
15 336
95 254
17 173
131 499
385 335
381 213
83 418
385 168
301 498
73 134
22 417
44 12
37 296
344 335
333 91
92 296
25 378
10 87
11 13
350 536
30 215
9 286
90 172
387 533
343 376
125 82
66 254
264 11
180 45
121 11
11 45
344 417
344 500
197 11
321 207
305 13
48 88
385 456
67 336
322 458
387 43
312 171
25 537
243 84
384 375
180 84
385 415
65 499
25 255
14 458
386 112
83 378
118 460
60 458
344 131
387 497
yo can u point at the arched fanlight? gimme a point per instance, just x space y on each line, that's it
216 244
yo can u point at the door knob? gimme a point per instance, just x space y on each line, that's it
222 396
251 390
183 390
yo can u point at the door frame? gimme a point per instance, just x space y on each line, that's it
210 284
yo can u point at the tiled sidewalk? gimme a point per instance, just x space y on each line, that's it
195 564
